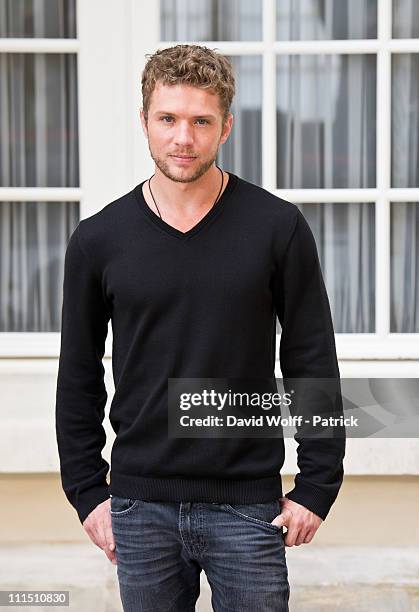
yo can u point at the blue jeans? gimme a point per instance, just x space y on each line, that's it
161 548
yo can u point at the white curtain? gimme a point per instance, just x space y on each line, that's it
33 238
405 173
37 18
326 121
326 19
38 148
210 20
326 139
405 267
242 153
344 235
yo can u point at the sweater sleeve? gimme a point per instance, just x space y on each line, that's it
81 394
307 350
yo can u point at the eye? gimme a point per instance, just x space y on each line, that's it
169 118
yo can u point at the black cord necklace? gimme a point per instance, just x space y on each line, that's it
222 185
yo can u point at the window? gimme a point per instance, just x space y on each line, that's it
39 153
328 114
224 20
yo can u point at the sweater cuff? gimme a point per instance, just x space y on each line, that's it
312 498
89 499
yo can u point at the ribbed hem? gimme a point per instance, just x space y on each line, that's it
197 489
311 498
88 500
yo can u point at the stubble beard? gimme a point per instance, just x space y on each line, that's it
164 168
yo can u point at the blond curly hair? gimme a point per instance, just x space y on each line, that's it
193 65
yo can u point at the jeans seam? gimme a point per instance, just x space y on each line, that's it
124 512
275 528
180 529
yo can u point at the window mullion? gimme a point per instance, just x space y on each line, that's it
40 194
383 161
39 45
269 152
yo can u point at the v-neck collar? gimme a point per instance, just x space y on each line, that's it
139 196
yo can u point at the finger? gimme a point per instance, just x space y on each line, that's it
284 518
111 555
92 532
309 536
102 528
98 533
110 542
113 559
109 537
292 534
279 521
301 536
104 544
109 552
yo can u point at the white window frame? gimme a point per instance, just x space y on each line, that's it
359 346
111 150
114 154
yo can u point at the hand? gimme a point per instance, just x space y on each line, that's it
300 522
98 526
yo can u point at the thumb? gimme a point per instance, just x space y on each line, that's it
283 518
110 540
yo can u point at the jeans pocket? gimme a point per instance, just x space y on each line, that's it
120 506
259 513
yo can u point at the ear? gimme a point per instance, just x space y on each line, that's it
227 128
143 123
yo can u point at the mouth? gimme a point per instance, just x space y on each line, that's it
182 158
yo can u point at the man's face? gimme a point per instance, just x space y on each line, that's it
184 130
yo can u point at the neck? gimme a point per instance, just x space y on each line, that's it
186 197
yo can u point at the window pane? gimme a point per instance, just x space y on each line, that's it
405 267
326 19
345 239
326 121
405 120
242 152
405 19
38 120
33 240
38 19
204 20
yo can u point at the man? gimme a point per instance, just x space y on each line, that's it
192 266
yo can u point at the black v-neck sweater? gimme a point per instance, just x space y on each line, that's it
202 303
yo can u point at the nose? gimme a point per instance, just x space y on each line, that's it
183 135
